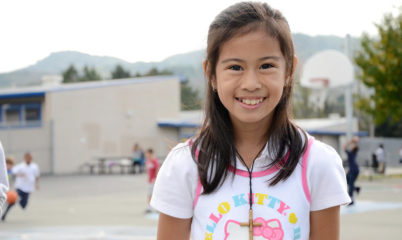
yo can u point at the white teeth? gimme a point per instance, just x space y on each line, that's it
251 101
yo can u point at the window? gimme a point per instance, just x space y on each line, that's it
32 112
20 115
12 114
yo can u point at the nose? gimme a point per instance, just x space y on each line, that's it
250 81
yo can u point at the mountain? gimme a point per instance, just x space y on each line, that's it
186 64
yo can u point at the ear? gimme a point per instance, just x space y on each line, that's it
207 71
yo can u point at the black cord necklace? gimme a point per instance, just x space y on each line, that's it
250 224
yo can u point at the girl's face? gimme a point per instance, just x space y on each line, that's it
250 77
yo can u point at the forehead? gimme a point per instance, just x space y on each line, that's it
251 45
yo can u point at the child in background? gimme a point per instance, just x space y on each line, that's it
137 159
250 173
152 166
351 148
26 181
9 165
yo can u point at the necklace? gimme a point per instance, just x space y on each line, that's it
250 224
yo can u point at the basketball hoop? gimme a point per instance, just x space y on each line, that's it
323 81
327 69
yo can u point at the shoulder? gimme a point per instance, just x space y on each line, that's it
2 156
323 162
180 157
323 154
326 177
17 167
176 183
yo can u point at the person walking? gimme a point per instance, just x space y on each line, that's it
351 148
380 154
400 155
27 180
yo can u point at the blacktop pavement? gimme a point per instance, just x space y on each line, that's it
103 207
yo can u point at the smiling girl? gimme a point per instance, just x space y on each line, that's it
250 173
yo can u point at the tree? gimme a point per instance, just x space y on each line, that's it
70 75
119 72
381 70
90 74
155 72
190 99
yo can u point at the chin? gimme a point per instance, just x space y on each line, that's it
252 119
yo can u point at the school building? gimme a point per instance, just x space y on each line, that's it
330 130
65 126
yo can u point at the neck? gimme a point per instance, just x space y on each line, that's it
250 139
251 136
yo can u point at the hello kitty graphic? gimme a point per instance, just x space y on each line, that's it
270 230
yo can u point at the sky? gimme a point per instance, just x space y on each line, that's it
147 30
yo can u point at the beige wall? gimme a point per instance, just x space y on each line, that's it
107 121
36 140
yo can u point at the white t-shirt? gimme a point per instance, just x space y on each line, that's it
25 176
3 179
283 209
380 154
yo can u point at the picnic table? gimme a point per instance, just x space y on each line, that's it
109 162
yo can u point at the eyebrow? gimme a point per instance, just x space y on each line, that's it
241 60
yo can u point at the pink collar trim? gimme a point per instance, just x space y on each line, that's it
263 173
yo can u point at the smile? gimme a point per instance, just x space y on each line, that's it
251 101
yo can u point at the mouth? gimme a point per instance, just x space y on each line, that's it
255 101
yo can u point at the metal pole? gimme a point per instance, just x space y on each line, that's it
348 97
51 147
349 111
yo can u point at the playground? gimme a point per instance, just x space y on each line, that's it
100 207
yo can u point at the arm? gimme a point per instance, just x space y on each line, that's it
3 179
324 224
346 145
170 228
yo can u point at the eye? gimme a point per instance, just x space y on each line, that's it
266 66
235 68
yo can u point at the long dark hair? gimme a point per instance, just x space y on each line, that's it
216 141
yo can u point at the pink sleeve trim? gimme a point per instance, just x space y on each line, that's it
304 170
199 185
197 193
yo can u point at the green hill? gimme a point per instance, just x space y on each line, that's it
186 64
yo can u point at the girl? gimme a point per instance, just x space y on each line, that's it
250 173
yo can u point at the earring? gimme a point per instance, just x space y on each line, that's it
213 89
